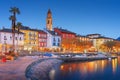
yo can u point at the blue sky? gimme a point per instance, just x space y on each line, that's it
80 16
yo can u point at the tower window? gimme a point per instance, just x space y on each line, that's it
48 21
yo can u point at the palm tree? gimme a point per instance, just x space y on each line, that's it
14 11
18 26
12 18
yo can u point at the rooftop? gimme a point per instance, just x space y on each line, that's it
82 36
102 37
9 30
53 33
28 28
93 34
65 31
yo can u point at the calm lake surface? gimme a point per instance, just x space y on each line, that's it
90 70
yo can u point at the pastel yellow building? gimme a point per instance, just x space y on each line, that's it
30 38
97 42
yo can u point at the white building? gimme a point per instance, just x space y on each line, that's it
6 40
93 35
53 40
97 42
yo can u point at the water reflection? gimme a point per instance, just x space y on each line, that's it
91 70
89 67
52 74
114 65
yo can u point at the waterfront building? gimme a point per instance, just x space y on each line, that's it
86 44
98 40
93 35
6 40
30 38
42 40
64 33
83 38
49 21
53 41
67 39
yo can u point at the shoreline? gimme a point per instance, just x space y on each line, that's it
85 59
40 69
16 70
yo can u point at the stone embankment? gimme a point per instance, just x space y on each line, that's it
39 70
85 59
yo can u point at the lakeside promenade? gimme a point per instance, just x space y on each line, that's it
15 70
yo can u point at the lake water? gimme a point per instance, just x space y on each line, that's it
90 70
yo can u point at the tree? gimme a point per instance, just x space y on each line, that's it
14 11
12 18
18 26
117 46
109 45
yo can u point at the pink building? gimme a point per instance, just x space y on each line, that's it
42 40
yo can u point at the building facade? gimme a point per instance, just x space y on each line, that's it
53 41
67 39
6 40
65 34
97 42
94 35
42 40
49 21
30 38
83 38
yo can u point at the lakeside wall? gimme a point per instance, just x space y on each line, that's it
39 70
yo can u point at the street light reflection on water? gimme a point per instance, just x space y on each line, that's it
89 66
114 65
82 70
52 74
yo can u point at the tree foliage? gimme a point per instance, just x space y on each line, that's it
108 46
75 44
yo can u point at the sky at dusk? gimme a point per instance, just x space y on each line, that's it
80 16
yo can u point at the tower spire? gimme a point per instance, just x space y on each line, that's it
49 20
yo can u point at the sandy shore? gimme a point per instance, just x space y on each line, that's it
15 70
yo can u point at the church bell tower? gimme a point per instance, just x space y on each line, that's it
49 20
